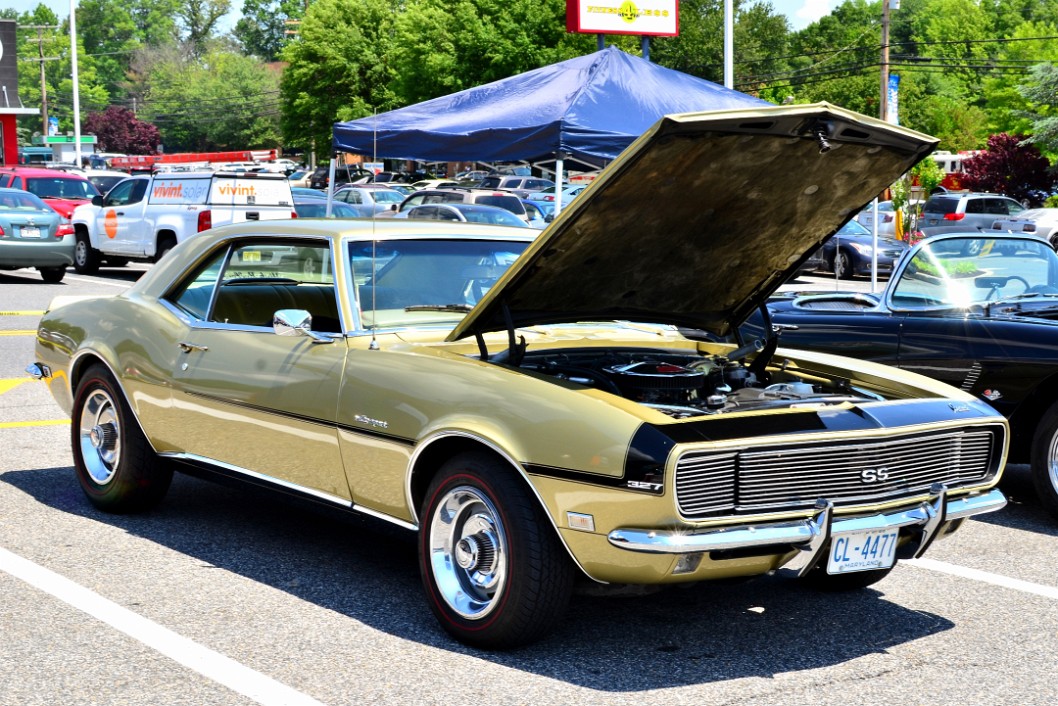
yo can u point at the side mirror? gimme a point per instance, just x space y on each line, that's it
97 200
296 322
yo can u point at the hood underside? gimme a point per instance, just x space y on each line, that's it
701 219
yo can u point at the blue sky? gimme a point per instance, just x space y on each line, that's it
800 13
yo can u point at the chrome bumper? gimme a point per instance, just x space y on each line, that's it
809 536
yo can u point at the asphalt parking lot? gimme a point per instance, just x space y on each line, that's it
220 597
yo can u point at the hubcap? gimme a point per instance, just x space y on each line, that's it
468 555
1052 463
100 436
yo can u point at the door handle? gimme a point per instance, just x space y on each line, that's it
188 347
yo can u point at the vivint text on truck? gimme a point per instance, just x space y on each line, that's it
143 217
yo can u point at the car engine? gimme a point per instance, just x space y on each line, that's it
683 385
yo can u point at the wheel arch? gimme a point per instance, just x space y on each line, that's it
432 453
1027 415
163 235
86 359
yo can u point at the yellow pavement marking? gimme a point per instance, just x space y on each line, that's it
11 383
42 423
23 332
21 313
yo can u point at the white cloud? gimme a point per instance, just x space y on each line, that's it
812 10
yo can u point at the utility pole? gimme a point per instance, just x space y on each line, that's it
883 104
43 84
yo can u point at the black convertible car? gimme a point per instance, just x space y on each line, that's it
986 322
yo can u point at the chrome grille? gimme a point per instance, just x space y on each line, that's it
793 477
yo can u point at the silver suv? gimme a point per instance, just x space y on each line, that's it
520 185
949 213
487 197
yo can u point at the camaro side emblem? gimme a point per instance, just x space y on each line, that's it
958 407
992 395
874 475
371 422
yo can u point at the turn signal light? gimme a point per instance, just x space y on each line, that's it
953 216
205 220
63 230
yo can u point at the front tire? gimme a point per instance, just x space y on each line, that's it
85 258
494 571
117 469
1044 460
842 265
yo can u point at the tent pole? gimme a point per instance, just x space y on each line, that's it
330 185
558 186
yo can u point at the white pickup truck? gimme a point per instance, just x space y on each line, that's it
143 217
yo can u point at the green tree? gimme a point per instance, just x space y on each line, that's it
218 101
338 69
1041 92
1008 110
263 27
198 19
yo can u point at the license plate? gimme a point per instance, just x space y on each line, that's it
251 256
29 232
862 551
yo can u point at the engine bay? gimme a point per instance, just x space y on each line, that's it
684 385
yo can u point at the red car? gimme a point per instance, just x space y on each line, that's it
62 191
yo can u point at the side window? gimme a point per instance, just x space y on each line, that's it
1014 208
193 296
413 200
121 194
260 278
976 206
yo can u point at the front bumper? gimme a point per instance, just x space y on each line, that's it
811 536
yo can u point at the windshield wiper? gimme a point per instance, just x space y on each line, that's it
462 308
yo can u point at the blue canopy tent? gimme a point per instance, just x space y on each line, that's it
589 109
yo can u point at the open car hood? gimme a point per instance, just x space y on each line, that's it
701 219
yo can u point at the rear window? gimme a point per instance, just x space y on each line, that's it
941 205
508 203
490 182
60 188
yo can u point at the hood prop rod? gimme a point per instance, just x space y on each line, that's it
771 342
516 347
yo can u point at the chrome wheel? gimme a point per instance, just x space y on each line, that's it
100 436
1052 464
842 265
467 552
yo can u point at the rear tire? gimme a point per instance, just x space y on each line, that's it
116 466
85 257
52 275
495 573
165 244
1044 460
117 261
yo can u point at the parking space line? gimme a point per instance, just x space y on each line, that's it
23 332
983 576
8 384
22 313
37 423
252 684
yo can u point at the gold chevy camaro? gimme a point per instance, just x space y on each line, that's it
543 409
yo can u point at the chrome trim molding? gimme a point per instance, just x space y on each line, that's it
808 531
319 494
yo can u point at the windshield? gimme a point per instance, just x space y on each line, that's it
966 272
411 282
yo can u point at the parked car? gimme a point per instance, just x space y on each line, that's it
320 177
61 190
850 251
378 199
543 406
520 185
886 218
487 197
965 212
435 184
32 235
105 179
466 213
540 213
300 178
549 194
1037 222
982 322
317 208
303 192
